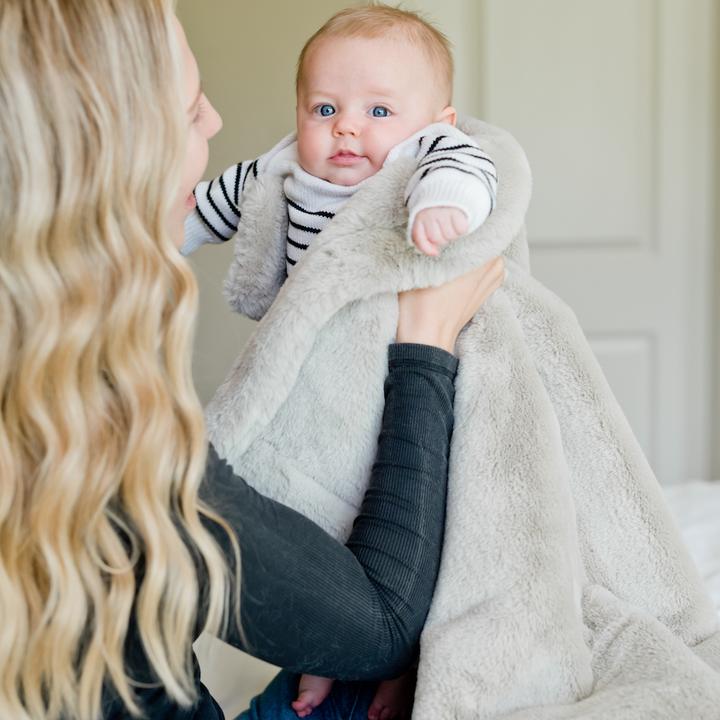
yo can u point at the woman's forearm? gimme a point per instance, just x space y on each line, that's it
309 603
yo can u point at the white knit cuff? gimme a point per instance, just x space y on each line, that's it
450 188
196 234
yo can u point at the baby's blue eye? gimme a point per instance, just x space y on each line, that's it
326 110
380 111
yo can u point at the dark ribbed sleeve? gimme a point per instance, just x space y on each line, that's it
354 611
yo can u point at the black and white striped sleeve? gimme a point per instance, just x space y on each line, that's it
452 171
219 202
217 215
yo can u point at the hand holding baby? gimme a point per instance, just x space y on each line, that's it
435 227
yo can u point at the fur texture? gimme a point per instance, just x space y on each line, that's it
564 590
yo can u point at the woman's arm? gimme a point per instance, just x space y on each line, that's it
309 603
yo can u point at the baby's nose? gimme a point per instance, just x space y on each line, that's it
345 124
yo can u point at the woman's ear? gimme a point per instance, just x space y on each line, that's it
448 115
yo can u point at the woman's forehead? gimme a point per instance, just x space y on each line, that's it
190 71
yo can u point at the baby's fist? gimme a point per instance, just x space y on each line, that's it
435 227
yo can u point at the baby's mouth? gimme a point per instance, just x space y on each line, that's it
346 157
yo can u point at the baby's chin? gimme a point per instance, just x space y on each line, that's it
349 182
348 177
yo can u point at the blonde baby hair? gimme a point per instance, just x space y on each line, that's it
102 443
374 20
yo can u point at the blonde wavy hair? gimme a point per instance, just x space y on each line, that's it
102 441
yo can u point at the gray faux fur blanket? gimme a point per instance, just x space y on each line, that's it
564 589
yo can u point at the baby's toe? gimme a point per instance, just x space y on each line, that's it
301 707
374 711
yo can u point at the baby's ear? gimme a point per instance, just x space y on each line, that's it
448 115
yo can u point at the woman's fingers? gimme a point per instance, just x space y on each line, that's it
480 284
491 279
435 315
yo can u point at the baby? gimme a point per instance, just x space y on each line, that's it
373 84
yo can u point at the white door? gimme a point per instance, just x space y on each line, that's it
611 101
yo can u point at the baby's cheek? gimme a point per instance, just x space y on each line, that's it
380 157
307 148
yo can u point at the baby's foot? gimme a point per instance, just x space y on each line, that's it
312 690
393 698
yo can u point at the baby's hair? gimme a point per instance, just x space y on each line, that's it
375 20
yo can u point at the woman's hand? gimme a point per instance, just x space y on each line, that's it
436 315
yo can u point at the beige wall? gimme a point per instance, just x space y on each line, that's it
716 196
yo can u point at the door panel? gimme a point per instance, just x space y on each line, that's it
611 102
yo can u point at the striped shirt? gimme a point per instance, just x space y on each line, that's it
452 171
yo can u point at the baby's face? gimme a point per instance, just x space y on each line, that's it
357 99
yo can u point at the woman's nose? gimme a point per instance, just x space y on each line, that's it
214 120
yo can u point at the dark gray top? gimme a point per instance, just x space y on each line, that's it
311 604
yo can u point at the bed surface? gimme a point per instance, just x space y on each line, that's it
696 506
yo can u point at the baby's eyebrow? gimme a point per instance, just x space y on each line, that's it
383 91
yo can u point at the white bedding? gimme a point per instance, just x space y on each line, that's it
696 506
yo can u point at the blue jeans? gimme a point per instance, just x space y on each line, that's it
347 701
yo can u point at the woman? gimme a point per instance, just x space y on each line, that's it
111 557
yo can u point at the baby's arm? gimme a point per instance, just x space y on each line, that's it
451 193
217 215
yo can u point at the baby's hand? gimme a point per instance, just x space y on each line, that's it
435 227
